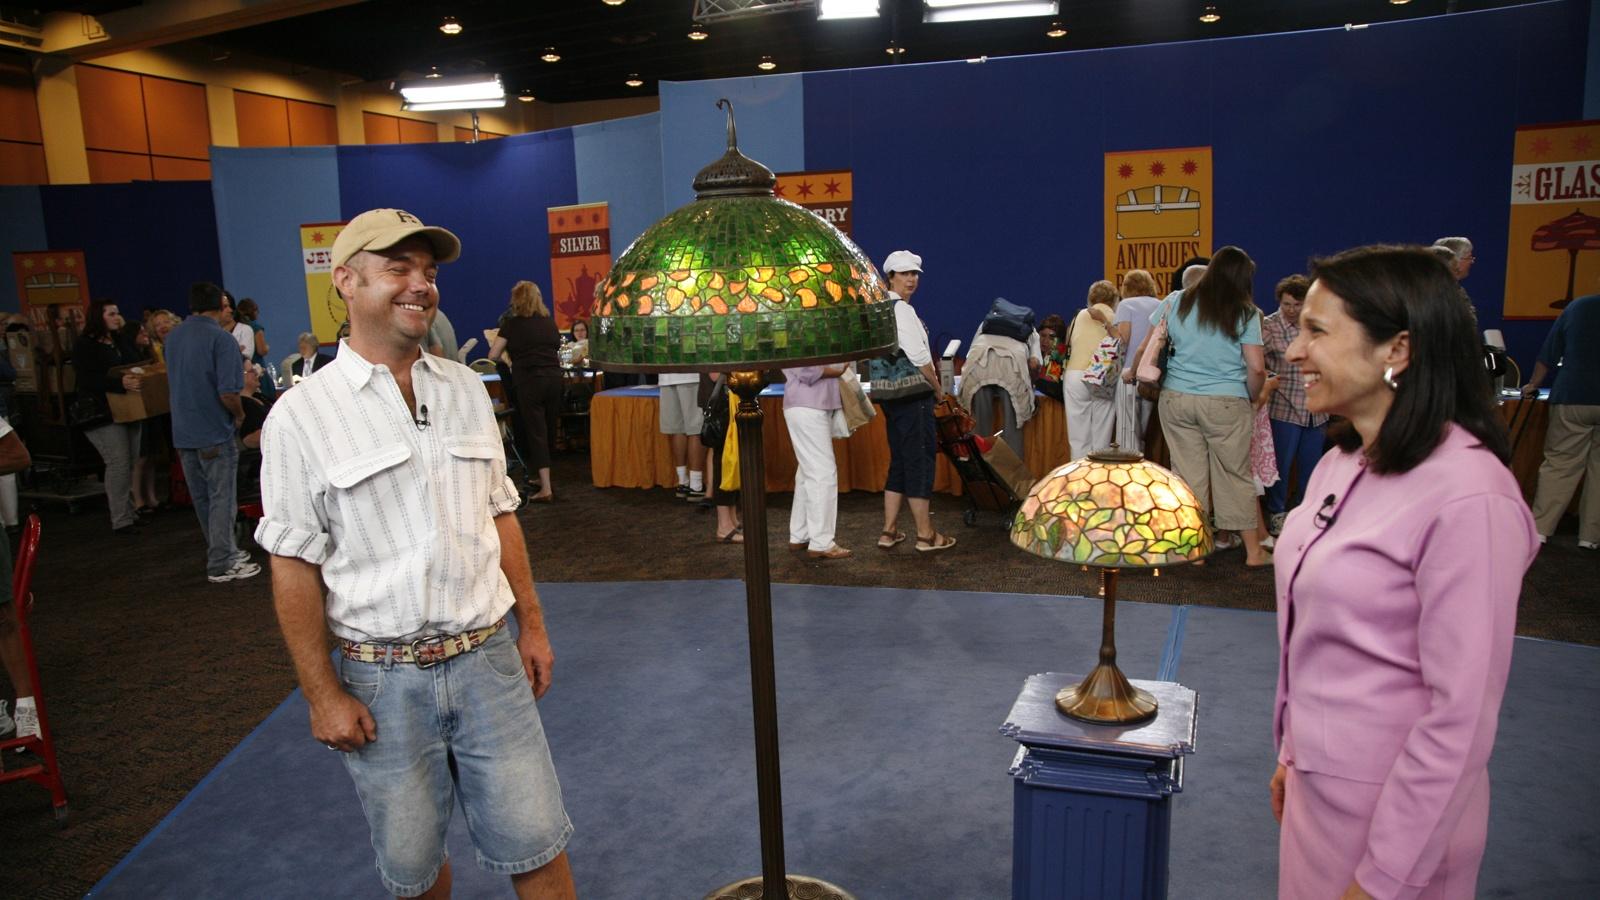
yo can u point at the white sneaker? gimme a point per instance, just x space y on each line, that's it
1588 545
241 556
240 570
28 722
7 724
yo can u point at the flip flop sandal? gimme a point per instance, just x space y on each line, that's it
936 543
736 536
889 539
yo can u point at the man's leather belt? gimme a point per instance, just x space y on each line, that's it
423 652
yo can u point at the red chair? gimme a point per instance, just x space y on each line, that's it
45 771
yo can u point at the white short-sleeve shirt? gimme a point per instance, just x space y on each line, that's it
399 515
911 333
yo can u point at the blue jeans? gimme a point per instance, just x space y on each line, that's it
213 477
1300 445
467 727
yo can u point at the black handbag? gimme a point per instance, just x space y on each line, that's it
714 416
85 413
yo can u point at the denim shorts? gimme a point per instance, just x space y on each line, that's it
467 727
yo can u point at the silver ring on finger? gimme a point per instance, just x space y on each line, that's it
330 746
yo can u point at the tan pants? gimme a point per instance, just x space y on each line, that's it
1209 439
1571 451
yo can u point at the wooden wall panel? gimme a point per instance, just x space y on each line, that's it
263 120
22 164
178 120
112 104
19 106
465 134
415 132
312 124
381 129
106 167
167 168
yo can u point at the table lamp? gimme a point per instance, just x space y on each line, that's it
1112 510
739 281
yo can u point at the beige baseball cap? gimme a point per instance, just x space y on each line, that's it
380 229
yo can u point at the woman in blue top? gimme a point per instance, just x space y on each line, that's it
1216 366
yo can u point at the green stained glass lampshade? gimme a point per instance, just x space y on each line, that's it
1115 510
739 279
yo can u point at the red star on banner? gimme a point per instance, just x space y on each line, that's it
594 219
316 237
1158 168
1124 171
805 188
777 190
1541 146
1190 167
1582 143
831 188
561 221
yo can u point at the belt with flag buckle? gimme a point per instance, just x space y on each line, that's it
424 652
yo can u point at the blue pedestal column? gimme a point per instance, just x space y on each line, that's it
1093 808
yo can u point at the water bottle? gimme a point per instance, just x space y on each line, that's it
277 380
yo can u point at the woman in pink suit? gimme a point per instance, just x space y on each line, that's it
1397 586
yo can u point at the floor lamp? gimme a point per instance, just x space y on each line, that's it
739 281
1111 510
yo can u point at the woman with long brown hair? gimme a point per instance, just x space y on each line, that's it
532 343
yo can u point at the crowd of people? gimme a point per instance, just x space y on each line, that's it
1397 593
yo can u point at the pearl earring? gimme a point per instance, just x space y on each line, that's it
1388 378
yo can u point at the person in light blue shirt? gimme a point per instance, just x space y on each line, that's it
1216 366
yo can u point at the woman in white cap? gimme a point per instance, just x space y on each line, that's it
907 386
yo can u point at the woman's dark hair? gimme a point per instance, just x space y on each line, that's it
1389 289
248 310
1054 323
94 325
1223 293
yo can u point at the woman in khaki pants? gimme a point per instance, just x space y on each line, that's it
1206 415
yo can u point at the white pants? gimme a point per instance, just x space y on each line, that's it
1133 417
815 512
1089 419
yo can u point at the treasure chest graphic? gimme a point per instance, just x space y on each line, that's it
1158 211
51 288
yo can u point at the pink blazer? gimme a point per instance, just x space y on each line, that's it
1395 626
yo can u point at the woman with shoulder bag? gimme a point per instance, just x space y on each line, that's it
1089 417
907 386
101 348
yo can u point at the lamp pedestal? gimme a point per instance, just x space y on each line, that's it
1072 777
773 883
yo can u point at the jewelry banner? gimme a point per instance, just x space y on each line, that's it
828 194
1555 219
316 254
580 257
1158 211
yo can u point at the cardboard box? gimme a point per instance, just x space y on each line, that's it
150 400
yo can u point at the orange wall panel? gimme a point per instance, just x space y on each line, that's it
112 104
263 120
22 164
312 124
170 169
106 167
465 134
415 132
19 106
179 122
380 129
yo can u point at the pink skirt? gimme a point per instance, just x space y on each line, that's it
1324 837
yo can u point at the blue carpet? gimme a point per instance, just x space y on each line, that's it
895 780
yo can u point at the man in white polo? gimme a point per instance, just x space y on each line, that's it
384 482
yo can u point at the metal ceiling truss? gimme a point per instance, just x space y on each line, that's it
708 11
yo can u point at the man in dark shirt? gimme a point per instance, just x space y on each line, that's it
1572 442
205 378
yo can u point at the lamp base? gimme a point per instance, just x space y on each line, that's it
801 887
1105 697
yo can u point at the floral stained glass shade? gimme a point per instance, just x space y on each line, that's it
1115 510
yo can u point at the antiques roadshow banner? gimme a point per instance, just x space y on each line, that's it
1158 211
828 194
316 253
1555 219
580 257
52 285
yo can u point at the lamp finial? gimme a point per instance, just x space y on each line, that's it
733 136
734 175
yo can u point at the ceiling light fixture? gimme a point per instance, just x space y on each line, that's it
894 50
450 25
1398 2
1211 16
847 9
633 80
550 55
458 92
766 64
1056 31
697 32
615 2
936 11
525 96
433 72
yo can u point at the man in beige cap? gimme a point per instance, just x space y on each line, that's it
384 484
